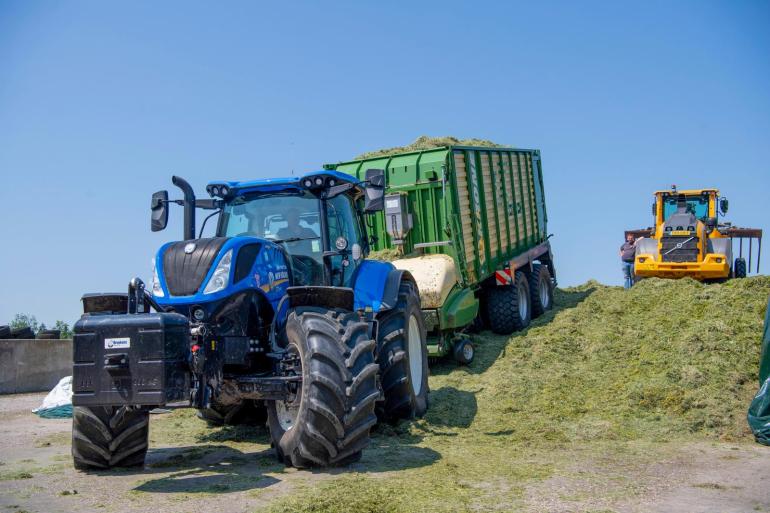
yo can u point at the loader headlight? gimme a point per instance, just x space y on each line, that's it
157 290
221 276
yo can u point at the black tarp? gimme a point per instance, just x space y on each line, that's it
759 410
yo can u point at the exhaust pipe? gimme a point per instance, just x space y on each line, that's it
189 206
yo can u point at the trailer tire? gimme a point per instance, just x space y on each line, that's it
327 423
540 289
739 268
398 329
509 307
464 351
109 436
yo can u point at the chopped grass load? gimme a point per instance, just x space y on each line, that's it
425 142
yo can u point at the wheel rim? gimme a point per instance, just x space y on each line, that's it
287 411
468 352
415 355
544 294
523 302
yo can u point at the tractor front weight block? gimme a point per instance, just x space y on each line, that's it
131 359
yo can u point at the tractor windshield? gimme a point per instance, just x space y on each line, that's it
697 205
294 218
291 217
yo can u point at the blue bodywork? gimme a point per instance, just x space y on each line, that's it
269 275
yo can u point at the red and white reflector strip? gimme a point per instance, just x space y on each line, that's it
504 277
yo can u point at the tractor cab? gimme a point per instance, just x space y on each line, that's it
320 227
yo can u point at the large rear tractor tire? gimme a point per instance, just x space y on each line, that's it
402 354
509 307
327 421
540 289
739 268
111 436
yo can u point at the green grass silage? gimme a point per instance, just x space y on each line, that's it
425 143
608 371
664 359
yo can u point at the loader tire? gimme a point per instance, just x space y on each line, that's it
739 268
327 421
540 290
402 354
109 436
509 307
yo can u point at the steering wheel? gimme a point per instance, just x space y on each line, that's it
304 269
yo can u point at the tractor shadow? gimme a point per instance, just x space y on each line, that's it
221 469
490 346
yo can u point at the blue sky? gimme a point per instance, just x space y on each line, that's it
101 102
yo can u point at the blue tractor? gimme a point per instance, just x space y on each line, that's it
279 318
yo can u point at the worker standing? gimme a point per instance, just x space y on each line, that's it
627 252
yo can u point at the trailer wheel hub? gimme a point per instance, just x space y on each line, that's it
544 294
523 300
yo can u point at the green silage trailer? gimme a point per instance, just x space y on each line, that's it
470 225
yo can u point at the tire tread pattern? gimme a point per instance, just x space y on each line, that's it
341 390
106 437
503 307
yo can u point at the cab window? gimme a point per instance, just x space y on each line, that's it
697 205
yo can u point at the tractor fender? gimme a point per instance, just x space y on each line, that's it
375 285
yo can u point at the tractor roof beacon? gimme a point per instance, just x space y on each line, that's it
274 319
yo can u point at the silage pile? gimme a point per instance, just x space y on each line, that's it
425 143
666 358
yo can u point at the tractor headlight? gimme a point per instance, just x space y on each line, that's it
221 276
157 290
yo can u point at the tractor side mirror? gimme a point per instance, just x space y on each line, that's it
655 208
723 204
159 211
375 191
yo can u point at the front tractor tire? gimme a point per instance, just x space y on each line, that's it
109 436
402 354
327 422
510 307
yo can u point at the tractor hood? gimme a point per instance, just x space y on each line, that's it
204 270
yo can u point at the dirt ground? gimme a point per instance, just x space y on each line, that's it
219 474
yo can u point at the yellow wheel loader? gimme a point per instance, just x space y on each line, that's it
690 240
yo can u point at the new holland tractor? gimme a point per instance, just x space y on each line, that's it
279 316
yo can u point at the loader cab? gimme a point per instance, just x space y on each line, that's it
702 203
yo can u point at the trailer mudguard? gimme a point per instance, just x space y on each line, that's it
375 285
